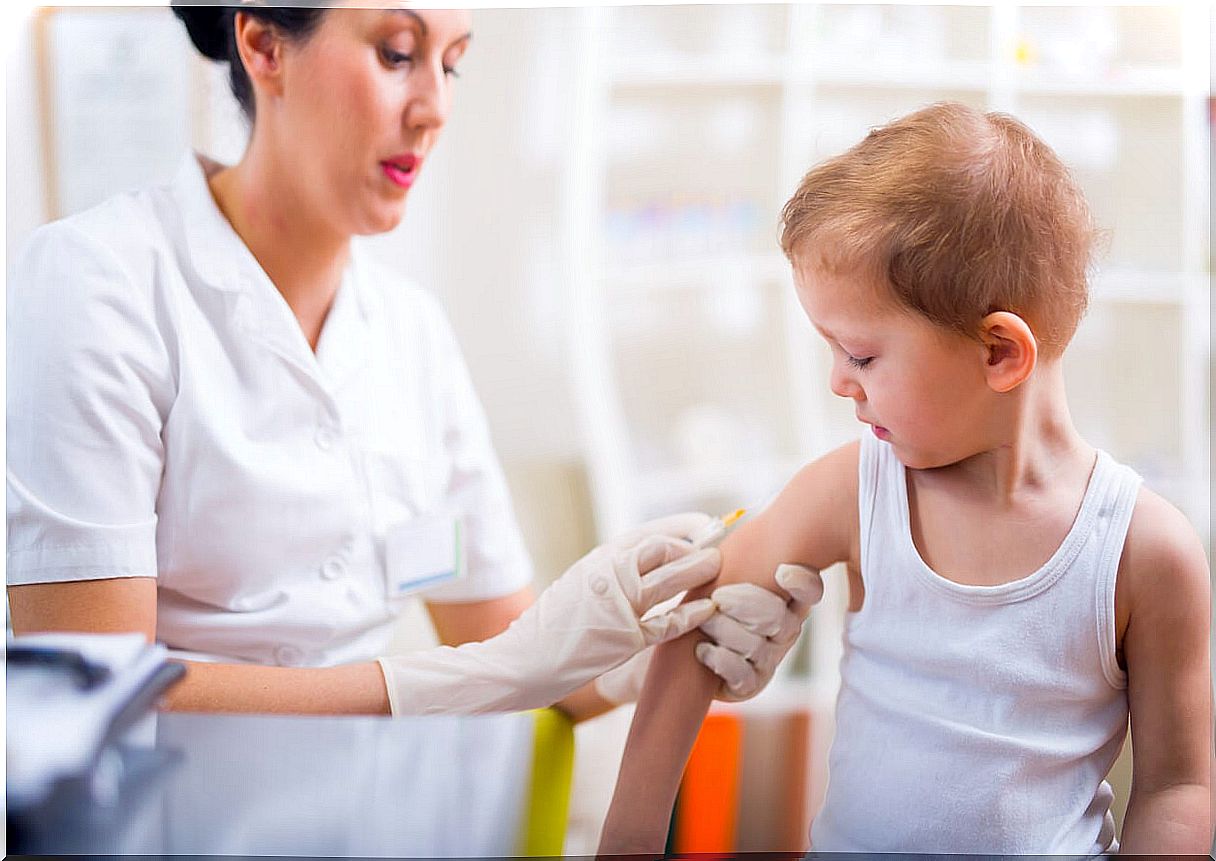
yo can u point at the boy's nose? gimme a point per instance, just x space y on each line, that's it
842 383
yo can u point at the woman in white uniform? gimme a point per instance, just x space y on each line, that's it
230 431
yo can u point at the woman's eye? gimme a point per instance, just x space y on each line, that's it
858 363
395 58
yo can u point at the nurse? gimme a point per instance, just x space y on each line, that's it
230 431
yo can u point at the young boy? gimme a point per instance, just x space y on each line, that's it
1014 593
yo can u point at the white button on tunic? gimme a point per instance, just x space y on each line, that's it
167 418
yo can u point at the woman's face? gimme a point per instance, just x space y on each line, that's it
360 106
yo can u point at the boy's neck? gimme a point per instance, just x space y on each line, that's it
1033 445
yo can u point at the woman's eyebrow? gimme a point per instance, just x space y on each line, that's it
411 14
418 19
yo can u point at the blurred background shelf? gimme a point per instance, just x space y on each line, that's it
1166 83
694 271
952 76
713 114
742 70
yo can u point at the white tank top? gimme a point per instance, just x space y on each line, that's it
978 719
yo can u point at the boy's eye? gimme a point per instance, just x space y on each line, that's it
859 363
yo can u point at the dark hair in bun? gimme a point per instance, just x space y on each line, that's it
211 29
206 26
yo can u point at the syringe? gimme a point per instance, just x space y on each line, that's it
717 529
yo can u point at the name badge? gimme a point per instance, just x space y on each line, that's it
423 552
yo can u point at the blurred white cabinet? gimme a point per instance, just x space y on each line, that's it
699 382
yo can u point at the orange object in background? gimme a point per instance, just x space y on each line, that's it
796 833
707 811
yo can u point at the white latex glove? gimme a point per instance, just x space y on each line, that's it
587 622
754 629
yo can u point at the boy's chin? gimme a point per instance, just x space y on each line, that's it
913 458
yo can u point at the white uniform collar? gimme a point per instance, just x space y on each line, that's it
205 228
221 259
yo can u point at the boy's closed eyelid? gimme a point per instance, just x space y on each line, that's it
853 352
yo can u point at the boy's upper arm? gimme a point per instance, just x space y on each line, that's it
1166 647
812 522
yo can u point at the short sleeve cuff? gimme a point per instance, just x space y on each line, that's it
80 562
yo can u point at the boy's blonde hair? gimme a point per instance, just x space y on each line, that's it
961 212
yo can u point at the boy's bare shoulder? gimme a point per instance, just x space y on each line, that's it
818 508
831 479
812 522
1163 560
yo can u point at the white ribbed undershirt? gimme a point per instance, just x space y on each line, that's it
978 719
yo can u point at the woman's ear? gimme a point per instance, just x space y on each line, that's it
1011 351
261 51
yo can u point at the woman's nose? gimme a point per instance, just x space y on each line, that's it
429 100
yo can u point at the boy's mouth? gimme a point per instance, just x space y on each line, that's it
879 431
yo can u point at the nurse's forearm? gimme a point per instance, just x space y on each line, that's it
673 704
346 689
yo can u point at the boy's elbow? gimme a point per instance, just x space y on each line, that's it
1176 818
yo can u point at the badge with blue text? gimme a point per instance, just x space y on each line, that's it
423 552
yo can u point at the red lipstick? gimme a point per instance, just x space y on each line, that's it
402 169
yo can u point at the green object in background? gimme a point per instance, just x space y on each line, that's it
669 846
548 805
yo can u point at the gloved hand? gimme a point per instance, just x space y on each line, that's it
751 633
587 622
754 629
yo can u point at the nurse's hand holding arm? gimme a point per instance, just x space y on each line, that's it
749 636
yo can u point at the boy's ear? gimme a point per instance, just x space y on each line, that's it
1010 349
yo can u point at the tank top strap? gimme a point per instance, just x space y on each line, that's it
1111 519
867 494
880 508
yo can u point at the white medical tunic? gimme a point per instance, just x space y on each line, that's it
167 418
